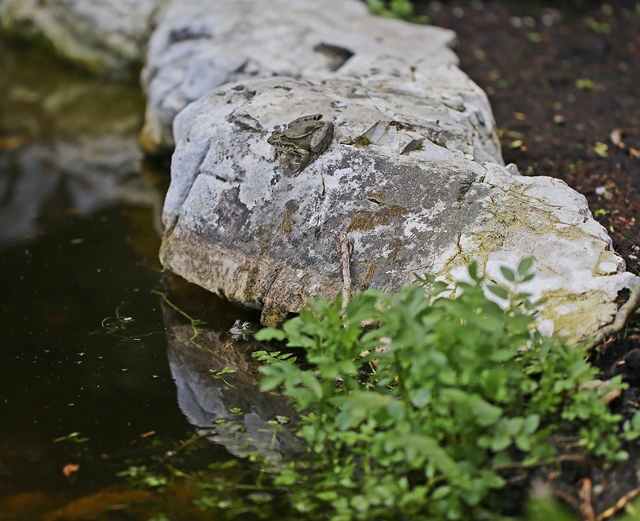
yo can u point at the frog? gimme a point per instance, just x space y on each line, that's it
241 330
303 140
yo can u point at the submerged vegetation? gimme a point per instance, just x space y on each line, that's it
419 406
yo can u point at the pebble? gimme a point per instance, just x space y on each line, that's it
559 119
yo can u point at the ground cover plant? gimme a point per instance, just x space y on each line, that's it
402 9
417 407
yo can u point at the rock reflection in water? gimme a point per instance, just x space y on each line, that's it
62 133
232 406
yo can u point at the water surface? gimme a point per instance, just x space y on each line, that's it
83 347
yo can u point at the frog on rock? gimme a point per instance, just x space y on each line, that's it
302 141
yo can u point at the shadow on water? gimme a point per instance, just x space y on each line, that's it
84 324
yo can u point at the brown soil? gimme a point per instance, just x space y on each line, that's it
564 85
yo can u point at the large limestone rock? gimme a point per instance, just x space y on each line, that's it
107 37
413 176
199 45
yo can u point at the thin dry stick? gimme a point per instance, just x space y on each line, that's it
620 504
185 444
559 459
586 505
627 309
346 248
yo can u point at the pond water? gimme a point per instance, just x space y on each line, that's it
84 345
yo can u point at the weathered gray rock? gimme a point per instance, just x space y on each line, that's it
413 176
199 45
107 37
423 193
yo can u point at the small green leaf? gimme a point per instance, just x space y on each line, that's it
447 376
524 266
396 410
269 333
420 397
508 273
498 291
601 149
500 442
493 479
329 495
486 413
531 424
270 380
441 492
426 447
359 406
523 442
473 270
584 84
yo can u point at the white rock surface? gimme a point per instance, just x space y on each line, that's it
199 45
107 37
426 195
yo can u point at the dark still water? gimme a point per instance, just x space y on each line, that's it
86 337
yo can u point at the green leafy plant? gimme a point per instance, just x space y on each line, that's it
142 477
402 9
74 437
272 357
596 26
601 149
117 323
585 84
220 374
75 444
420 406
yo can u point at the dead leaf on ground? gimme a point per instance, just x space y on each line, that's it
70 469
616 138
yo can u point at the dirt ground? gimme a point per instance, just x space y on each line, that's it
564 84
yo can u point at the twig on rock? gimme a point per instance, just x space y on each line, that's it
625 311
346 248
